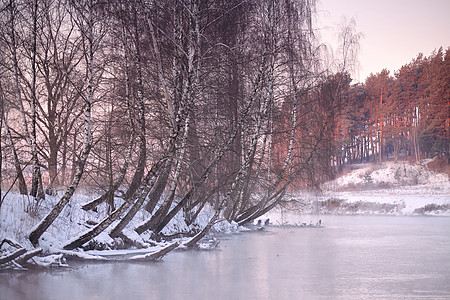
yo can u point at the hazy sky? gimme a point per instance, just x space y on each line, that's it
395 31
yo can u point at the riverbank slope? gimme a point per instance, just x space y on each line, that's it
389 188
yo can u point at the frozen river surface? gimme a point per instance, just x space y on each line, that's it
353 257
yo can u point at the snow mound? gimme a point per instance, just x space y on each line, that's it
389 175
409 188
372 189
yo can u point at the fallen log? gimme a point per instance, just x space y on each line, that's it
10 242
12 256
156 255
30 254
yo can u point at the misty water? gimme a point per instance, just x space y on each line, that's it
353 257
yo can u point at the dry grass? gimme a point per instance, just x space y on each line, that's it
439 165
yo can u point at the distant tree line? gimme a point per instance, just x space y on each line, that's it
396 117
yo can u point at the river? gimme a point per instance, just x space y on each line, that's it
352 257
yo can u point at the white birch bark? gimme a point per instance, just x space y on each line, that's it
36 185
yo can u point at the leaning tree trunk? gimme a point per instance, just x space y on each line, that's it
206 173
113 188
147 184
261 210
189 86
217 158
245 170
139 173
195 186
165 206
215 217
193 242
160 185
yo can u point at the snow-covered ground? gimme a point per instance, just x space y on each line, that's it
394 188
16 222
390 188
411 186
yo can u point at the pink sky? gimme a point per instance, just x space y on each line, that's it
395 31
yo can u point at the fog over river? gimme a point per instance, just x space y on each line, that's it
352 257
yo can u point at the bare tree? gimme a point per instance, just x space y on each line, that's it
13 46
41 227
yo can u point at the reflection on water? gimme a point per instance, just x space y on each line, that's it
351 258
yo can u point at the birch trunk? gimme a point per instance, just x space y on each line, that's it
1 147
37 190
111 191
263 206
189 86
212 165
99 228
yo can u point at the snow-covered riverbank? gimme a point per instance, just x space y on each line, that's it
391 188
384 189
405 187
17 219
